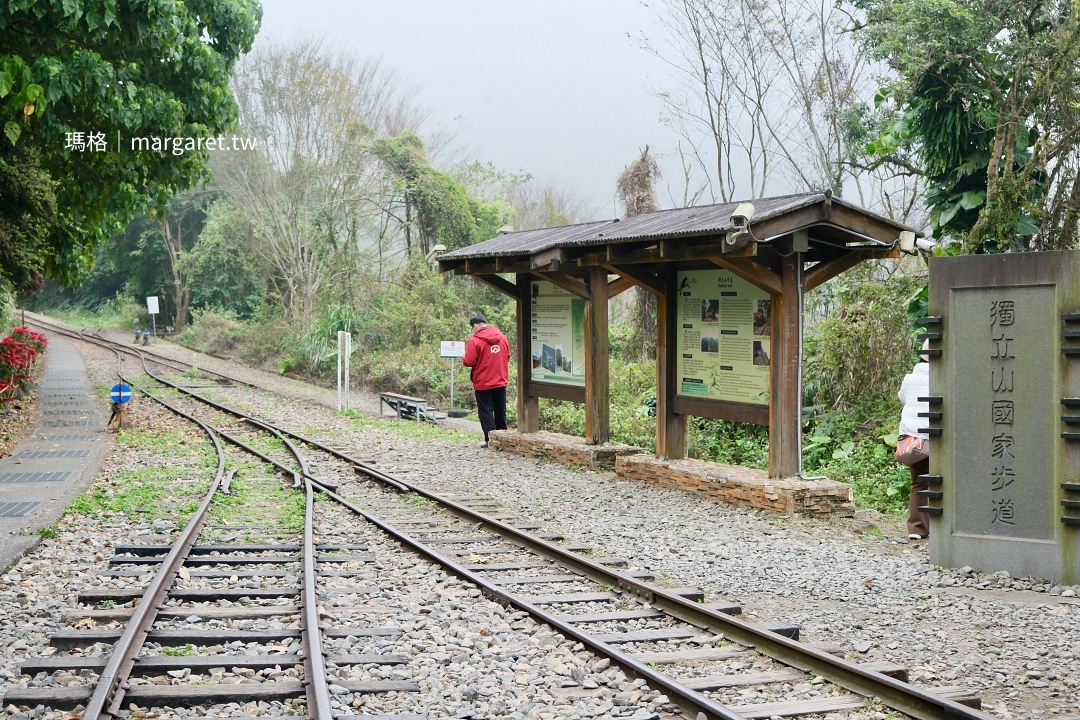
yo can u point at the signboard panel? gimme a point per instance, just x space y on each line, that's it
1004 410
722 338
558 335
152 305
1003 414
452 349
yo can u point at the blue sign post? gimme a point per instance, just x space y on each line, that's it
120 393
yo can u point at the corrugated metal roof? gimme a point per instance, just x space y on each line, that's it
678 222
701 220
529 241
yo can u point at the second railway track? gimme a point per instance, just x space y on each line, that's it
590 604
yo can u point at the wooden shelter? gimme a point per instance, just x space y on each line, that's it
792 244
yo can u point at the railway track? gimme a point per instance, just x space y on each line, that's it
590 602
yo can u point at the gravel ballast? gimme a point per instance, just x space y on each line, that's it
874 595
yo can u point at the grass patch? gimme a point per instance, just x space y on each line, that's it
152 487
264 502
409 428
181 651
49 531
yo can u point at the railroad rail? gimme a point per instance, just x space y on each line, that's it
363 489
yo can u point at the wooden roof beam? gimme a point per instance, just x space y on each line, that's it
615 255
503 286
551 258
753 272
828 269
619 285
566 282
639 276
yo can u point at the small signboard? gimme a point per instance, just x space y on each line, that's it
452 349
120 393
152 305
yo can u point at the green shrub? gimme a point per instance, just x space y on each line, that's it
7 307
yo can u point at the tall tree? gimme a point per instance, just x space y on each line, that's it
764 95
311 184
27 201
80 78
435 207
985 103
180 228
636 190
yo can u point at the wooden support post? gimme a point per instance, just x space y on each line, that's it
597 391
785 408
670 427
528 406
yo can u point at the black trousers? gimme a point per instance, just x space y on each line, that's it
491 407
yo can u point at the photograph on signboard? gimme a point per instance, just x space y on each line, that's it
761 317
710 344
558 335
761 357
547 359
710 311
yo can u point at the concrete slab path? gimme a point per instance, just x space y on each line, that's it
57 458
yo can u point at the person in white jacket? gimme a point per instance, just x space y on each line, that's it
916 384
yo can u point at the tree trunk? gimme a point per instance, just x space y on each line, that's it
181 293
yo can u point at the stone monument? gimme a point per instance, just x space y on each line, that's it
1004 418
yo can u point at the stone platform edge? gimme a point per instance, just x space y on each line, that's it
742 486
559 448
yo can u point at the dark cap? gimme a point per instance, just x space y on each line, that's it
477 320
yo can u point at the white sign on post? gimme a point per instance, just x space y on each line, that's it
152 308
451 349
344 355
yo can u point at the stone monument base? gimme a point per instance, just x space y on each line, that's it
562 449
742 486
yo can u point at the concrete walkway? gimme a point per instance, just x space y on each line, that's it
55 460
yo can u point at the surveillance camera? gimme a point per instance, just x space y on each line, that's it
926 244
740 219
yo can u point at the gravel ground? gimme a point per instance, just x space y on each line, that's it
875 595
843 582
37 591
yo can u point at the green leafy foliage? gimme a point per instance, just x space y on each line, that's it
222 275
983 103
437 206
27 201
155 68
862 350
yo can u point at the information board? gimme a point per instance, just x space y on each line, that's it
152 305
452 348
558 335
722 338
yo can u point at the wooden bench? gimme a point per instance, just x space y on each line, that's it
405 406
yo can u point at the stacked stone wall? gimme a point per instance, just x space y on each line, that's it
562 449
741 486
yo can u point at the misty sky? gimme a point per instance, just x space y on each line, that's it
554 88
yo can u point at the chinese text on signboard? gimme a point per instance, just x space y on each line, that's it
722 337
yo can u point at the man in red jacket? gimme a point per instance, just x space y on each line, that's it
488 354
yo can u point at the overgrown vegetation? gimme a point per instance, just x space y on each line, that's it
153 490
333 227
